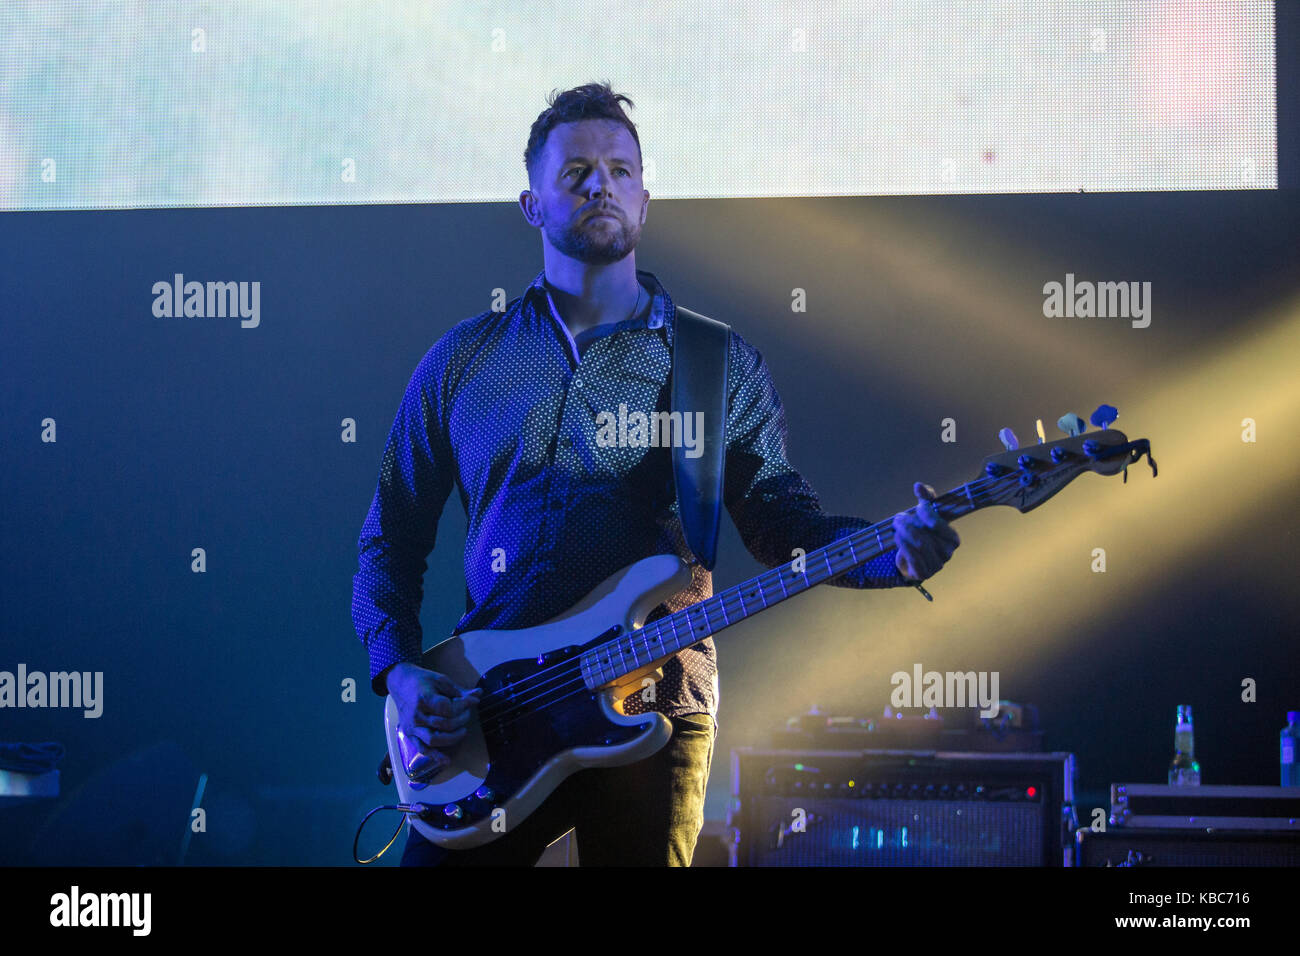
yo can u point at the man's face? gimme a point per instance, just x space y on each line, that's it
589 166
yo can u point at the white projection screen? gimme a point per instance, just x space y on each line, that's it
164 103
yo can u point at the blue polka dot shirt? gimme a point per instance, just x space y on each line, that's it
504 408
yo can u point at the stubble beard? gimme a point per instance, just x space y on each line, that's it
594 241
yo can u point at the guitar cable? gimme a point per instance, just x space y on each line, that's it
403 808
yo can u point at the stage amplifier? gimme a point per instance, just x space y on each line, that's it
901 808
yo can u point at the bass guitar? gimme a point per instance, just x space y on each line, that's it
552 695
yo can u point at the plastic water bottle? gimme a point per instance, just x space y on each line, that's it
1290 777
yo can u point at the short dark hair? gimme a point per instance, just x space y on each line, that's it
591 101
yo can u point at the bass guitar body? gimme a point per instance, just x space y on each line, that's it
540 719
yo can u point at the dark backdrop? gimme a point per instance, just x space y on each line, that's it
177 433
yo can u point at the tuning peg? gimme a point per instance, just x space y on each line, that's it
1071 424
1008 439
1104 415
1038 427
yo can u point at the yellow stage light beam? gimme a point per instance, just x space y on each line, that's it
911 285
1021 587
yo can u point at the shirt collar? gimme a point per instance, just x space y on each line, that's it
661 306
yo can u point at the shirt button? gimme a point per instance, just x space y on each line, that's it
577 383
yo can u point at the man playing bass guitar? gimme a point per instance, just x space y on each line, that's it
504 407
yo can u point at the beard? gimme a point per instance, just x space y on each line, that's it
595 241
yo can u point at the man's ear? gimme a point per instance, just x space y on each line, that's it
528 203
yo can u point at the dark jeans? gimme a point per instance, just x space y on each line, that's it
648 813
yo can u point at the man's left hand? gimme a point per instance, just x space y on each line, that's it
925 541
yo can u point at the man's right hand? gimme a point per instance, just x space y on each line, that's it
432 710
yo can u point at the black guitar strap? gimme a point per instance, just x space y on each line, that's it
701 347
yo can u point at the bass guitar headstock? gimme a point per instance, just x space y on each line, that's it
1026 477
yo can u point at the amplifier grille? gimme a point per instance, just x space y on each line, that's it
849 832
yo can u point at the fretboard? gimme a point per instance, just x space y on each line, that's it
662 638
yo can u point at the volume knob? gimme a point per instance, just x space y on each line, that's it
485 793
452 811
